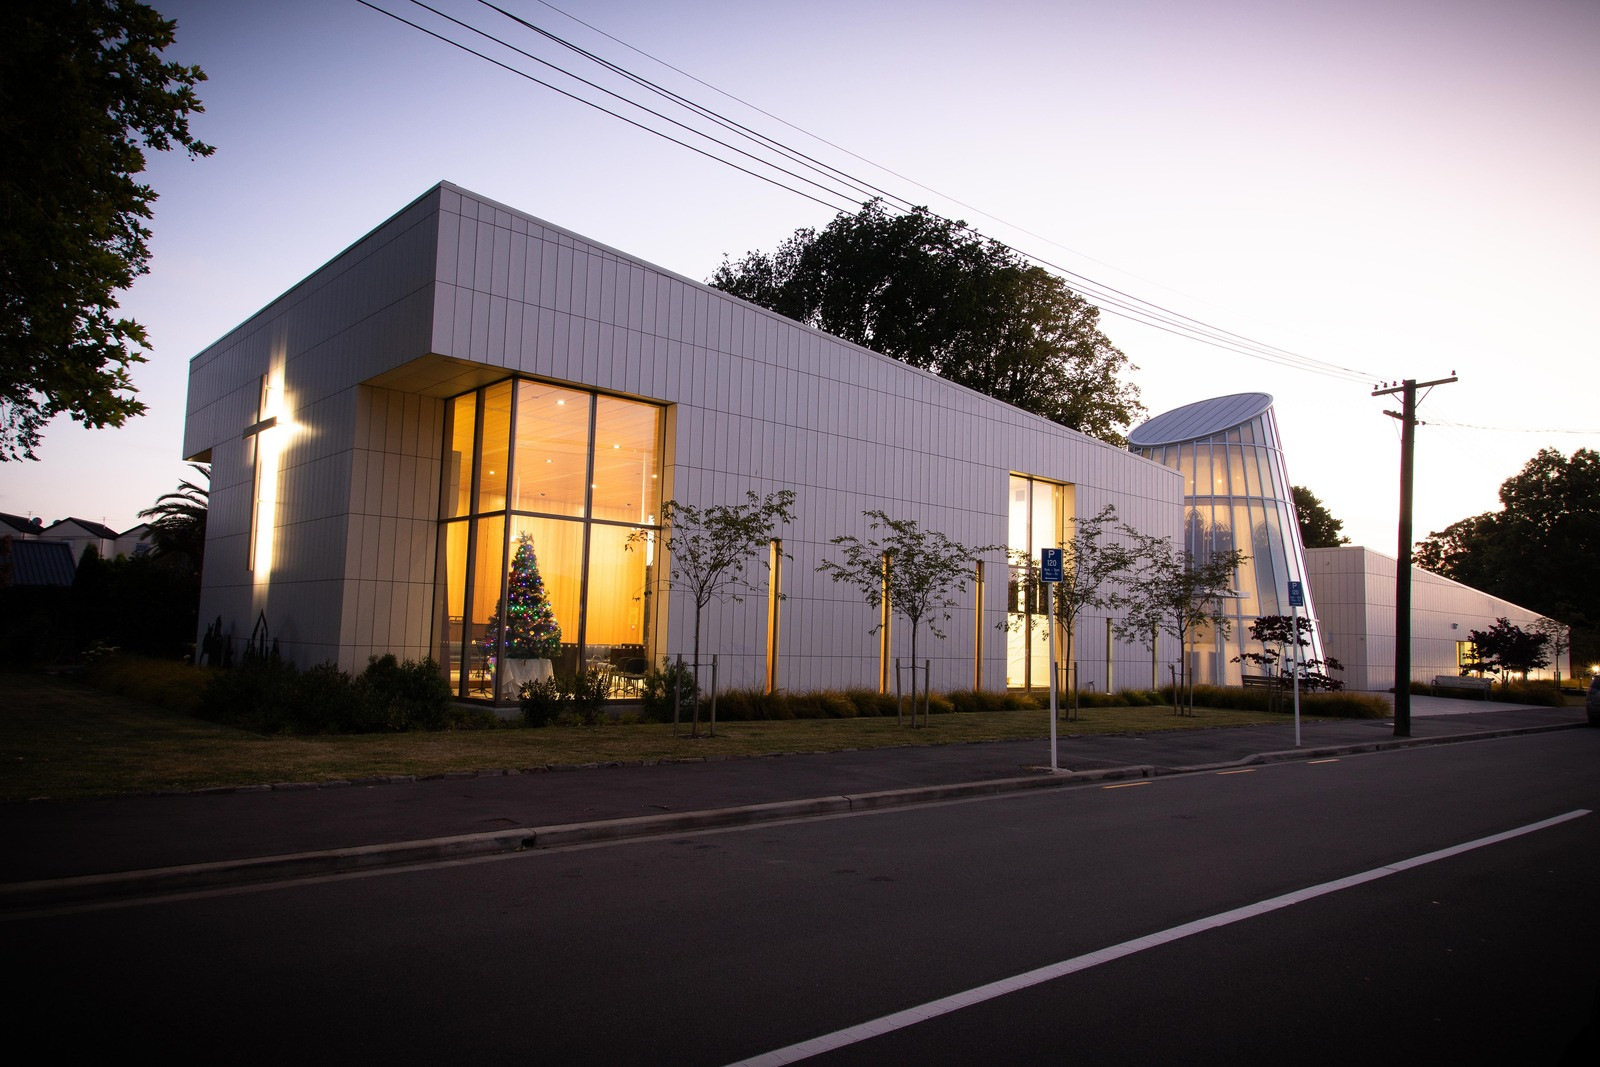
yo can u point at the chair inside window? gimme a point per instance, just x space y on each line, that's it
628 678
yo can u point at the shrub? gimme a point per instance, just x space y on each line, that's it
540 702
1092 699
403 696
258 695
656 692
1543 694
1344 705
836 706
324 700
576 698
870 703
585 695
736 705
270 696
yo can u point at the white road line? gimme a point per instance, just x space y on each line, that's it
943 1006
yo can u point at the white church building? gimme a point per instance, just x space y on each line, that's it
466 381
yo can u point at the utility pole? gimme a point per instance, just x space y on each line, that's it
1402 579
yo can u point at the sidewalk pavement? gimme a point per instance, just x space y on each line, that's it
59 852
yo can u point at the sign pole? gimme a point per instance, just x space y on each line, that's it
1050 570
1050 642
1297 599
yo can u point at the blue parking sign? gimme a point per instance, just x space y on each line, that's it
1050 565
1297 595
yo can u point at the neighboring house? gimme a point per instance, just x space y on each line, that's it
1355 594
26 564
467 379
81 533
134 542
30 529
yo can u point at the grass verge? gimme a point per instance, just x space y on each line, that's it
60 739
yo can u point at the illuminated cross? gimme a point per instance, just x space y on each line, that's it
264 460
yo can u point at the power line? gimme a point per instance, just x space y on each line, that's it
1107 298
1514 429
600 107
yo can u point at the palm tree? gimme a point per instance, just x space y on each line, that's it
178 519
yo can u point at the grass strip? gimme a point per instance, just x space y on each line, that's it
62 739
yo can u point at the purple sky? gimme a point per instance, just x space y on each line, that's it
1407 188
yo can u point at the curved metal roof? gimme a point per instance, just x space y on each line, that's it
1200 419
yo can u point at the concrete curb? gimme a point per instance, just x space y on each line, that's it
166 881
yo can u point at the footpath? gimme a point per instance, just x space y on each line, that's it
63 852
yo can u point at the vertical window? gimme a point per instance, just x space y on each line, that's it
1037 520
885 625
774 616
462 426
486 581
977 626
627 440
495 446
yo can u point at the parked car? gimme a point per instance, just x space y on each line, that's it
1593 701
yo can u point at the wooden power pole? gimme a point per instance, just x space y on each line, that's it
1402 581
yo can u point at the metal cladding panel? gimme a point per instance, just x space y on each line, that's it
1200 419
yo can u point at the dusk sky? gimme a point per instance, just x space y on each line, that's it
1403 188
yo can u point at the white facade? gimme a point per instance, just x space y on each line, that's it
324 418
1355 595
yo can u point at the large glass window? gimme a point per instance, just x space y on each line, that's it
542 572
1038 518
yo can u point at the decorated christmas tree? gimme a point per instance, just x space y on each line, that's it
531 628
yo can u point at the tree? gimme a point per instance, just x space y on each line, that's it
1092 564
1276 634
1558 639
83 92
1174 593
178 519
710 550
1540 550
1318 527
1507 649
917 571
531 629
936 295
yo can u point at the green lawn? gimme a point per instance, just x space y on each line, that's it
60 738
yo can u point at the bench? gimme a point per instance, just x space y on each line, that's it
1262 681
1454 681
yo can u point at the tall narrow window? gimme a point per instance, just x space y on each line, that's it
774 616
885 619
977 627
1038 517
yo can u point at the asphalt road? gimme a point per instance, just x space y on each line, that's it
721 946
